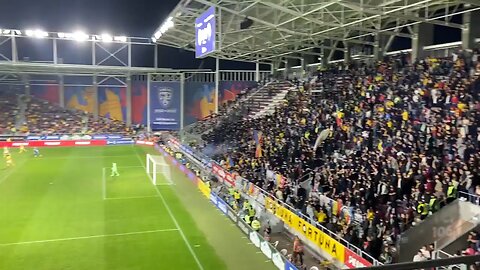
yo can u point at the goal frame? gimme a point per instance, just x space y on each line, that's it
152 171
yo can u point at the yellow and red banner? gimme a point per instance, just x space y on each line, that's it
204 188
309 231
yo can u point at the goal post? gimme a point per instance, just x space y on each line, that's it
158 170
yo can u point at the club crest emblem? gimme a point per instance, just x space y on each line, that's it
165 96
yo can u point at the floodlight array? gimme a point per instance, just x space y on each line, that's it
77 35
168 24
36 33
4 32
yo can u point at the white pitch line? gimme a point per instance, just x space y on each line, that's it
81 157
173 218
132 198
121 167
85 237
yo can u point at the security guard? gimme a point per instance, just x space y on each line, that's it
248 219
422 210
251 211
234 205
256 226
451 193
433 205
231 191
246 205
236 196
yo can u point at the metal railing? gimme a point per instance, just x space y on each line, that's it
440 254
473 198
333 235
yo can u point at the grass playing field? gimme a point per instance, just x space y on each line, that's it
60 212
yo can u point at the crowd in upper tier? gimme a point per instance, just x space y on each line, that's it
392 141
27 115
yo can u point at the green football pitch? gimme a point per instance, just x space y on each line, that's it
60 211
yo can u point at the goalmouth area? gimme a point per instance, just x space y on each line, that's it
64 211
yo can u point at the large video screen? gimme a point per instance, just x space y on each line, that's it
205 33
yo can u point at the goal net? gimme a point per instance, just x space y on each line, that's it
158 170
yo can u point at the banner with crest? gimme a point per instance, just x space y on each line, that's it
165 99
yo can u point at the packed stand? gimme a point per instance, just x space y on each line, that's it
43 117
393 144
8 112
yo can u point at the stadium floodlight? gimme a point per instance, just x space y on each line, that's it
29 33
154 40
120 38
168 24
36 33
61 35
17 32
106 38
79 36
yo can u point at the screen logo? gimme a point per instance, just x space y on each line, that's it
205 31
165 96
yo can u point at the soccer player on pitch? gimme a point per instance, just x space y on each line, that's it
114 170
36 152
6 152
9 160
22 149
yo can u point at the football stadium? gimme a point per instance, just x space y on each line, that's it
240 135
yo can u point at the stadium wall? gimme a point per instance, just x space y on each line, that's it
229 90
139 102
80 98
112 102
48 92
199 101
199 98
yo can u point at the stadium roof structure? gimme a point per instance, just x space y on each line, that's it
290 28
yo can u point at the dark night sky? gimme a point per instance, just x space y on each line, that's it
132 18
137 18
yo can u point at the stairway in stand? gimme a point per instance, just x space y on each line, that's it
267 98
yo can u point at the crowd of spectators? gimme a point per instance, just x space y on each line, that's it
8 111
20 114
472 247
225 111
394 141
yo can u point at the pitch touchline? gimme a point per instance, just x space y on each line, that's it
169 211
134 197
86 237
80 157
120 167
